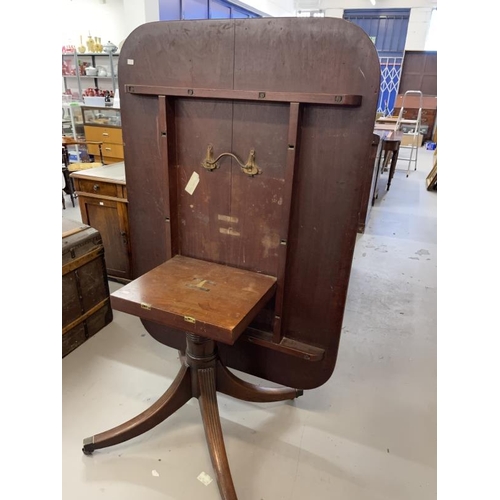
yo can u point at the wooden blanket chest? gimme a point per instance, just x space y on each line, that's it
86 307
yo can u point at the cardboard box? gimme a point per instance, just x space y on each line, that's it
408 139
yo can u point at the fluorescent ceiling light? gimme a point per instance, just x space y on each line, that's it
373 2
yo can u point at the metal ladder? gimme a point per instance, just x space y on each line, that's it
414 128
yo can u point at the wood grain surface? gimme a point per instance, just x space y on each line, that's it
299 228
199 297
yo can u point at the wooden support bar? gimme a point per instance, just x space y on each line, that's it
247 95
166 141
285 346
291 161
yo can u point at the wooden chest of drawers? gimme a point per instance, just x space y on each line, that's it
410 111
102 196
112 147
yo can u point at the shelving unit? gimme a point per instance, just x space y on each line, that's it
72 120
110 60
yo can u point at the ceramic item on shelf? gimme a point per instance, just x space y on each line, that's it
97 45
109 48
82 66
101 71
81 48
90 44
91 71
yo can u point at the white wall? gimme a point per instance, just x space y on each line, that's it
137 12
420 19
114 20
334 13
111 20
104 20
274 8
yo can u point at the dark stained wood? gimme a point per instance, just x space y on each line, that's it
110 218
419 72
286 56
413 102
390 144
231 385
213 432
242 85
257 202
200 376
199 213
167 152
103 205
285 345
196 296
174 398
291 161
142 161
369 185
86 306
245 95
410 111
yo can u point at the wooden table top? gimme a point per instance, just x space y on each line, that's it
196 296
114 172
388 134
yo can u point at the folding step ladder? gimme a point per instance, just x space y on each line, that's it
411 127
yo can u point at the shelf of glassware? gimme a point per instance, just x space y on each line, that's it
71 70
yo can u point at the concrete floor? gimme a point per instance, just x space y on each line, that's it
369 433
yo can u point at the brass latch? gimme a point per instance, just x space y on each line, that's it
249 168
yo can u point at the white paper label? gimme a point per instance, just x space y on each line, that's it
193 182
130 62
205 478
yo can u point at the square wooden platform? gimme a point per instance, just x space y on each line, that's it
199 297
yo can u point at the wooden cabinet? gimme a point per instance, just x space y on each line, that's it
419 72
410 111
102 196
104 124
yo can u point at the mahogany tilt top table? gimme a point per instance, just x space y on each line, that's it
247 150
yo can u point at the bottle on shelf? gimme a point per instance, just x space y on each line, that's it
90 44
98 45
81 48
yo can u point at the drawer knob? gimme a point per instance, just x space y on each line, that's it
105 133
96 187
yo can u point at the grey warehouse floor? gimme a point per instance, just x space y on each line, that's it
369 433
